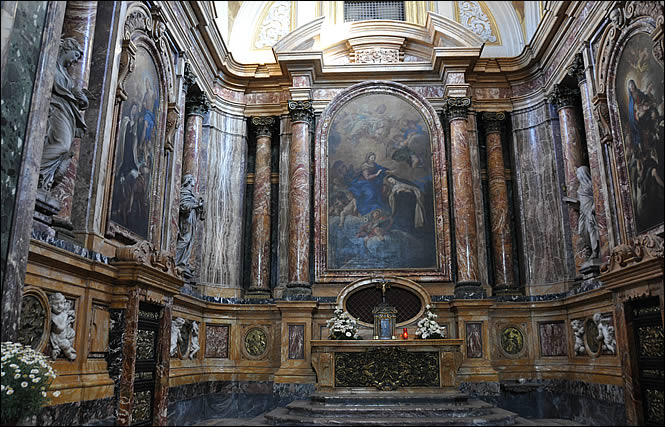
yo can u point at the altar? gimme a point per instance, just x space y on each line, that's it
386 364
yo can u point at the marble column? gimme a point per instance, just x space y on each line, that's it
129 340
196 106
594 151
299 198
502 246
468 284
80 19
259 286
283 204
572 144
163 366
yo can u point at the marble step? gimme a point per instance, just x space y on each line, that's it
496 417
391 397
401 409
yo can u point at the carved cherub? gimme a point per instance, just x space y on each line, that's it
578 331
605 333
194 340
176 338
62 333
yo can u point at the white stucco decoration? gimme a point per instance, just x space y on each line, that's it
472 17
275 25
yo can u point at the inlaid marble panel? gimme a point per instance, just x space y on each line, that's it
296 341
217 341
552 339
225 193
474 340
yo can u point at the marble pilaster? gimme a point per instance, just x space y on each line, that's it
196 107
299 198
596 165
126 383
163 365
463 201
26 88
260 270
572 144
504 278
221 250
80 21
283 203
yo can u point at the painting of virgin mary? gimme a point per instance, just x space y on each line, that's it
639 92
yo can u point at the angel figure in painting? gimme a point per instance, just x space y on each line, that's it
65 121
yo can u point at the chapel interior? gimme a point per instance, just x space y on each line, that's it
195 195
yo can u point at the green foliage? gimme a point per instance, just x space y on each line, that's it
26 377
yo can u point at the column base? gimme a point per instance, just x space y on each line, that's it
64 229
46 207
258 293
469 290
298 289
507 291
590 268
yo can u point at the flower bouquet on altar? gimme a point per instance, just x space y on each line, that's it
428 328
342 326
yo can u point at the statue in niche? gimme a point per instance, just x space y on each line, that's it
62 333
65 121
578 332
191 210
587 227
605 333
176 324
194 340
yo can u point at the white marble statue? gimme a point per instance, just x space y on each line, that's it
65 121
62 333
194 340
587 227
176 338
605 333
191 210
578 332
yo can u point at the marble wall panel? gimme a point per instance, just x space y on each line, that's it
552 339
474 340
217 341
538 193
229 95
221 258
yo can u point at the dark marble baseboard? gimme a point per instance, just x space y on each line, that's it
99 412
582 402
191 403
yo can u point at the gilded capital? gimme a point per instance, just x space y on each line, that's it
197 104
263 125
457 108
301 111
562 96
493 121
576 69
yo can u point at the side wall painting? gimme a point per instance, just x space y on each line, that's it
639 93
136 142
380 193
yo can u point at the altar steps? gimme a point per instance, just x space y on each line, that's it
391 408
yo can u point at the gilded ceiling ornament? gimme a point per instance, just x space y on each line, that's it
473 18
275 25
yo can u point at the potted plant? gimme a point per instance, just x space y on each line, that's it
342 326
428 328
26 377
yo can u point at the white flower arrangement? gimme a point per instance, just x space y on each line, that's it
429 328
24 388
342 326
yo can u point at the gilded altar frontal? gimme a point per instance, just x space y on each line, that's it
332 213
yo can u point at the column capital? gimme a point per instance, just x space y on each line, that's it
301 111
576 69
457 107
263 125
562 96
493 121
197 104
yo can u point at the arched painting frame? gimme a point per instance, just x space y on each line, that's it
387 214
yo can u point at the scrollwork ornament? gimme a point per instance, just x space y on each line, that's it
576 69
457 107
635 9
493 122
173 118
601 113
301 111
263 126
188 77
137 20
649 246
139 252
126 66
